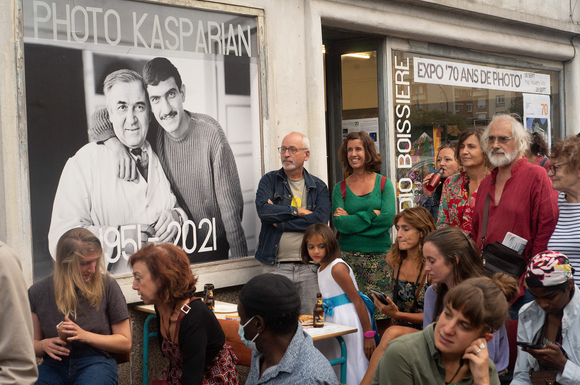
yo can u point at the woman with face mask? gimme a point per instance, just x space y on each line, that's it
189 333
454 349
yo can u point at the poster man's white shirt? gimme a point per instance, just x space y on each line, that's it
90 195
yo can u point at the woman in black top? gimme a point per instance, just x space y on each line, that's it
190 335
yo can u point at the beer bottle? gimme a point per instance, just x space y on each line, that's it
208 296
318 313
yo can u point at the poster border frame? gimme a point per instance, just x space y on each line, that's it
222 274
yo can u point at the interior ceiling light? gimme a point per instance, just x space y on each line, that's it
358 55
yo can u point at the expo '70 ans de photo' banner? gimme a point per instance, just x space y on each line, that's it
189 192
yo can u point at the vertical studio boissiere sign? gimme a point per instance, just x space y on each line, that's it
139 117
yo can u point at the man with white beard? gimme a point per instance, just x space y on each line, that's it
522 200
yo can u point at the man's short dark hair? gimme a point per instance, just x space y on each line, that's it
159 70
283 324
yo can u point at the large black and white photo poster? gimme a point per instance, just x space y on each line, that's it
143 125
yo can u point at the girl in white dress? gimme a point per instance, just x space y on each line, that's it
342 301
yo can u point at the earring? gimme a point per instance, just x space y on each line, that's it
421 248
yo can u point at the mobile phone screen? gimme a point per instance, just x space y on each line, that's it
528 345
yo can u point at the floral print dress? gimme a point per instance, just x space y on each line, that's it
456 208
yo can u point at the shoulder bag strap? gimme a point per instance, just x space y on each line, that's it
383 181
544 161
484 223
343 190
422 279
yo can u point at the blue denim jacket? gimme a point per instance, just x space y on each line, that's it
274 186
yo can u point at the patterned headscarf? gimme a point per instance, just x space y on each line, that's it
549 268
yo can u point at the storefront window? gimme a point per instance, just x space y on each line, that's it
435 99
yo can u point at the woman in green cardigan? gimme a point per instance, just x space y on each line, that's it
364 206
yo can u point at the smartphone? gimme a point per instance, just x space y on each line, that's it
380 296
529 345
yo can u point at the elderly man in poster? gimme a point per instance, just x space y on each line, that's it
199 163
123 214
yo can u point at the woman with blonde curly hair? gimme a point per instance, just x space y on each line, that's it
79 315
189 333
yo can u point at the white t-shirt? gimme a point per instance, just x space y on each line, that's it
566 236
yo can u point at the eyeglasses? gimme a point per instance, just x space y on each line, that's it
553 168
502 139
293 150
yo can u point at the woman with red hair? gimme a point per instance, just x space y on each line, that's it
189 334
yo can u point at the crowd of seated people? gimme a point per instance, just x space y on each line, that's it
441 319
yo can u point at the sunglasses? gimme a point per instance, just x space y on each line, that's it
502 139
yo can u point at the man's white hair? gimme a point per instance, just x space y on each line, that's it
521 137
305 140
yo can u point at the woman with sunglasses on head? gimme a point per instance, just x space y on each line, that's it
451 257
565 175
447 161
452 350
460 190
405 281
548 326
364 206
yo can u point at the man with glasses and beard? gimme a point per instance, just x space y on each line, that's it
521 197
289 200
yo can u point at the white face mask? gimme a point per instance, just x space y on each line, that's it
249 344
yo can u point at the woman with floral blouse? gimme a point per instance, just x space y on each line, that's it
460 190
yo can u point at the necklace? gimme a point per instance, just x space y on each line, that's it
456 372
168 329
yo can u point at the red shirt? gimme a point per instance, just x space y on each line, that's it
528 208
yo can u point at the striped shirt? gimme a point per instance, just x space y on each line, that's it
566 236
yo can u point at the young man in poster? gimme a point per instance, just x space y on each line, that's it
199 163
123 214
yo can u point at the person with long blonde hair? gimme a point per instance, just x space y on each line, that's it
79 315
